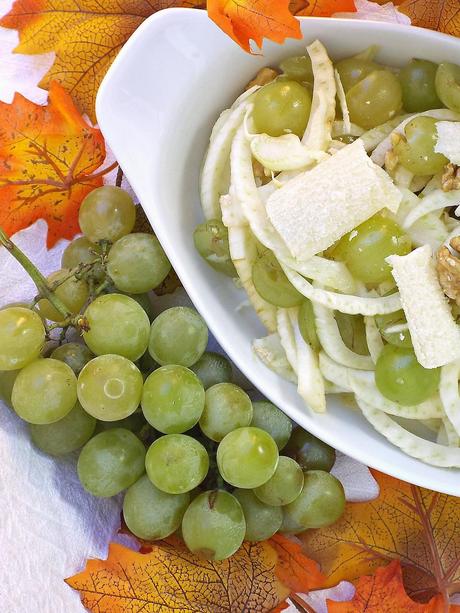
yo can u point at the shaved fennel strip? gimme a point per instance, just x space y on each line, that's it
333 372
310 383
286 335
434 183
432 453
343 102
448 390
284 152
447 435
434 201
402 177
270 352
376 135
373 338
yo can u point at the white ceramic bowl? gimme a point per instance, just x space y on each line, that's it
156 108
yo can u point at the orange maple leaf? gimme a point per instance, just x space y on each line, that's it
321 8
170 578
47 157
442 15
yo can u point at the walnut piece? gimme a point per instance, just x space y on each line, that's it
264 76
451 177
448 268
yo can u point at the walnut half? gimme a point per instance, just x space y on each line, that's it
451 177
448 268
264 76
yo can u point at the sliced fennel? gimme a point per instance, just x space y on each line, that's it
373 338
310 383
434 201
284 152
343 103
270 351
449 393
286 334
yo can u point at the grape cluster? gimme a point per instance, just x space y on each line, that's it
152 411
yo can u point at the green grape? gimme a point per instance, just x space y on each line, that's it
400 339
110 387
226 408
375 99
110 462
173 399
213 526
66 435
75 355
72 292
272 284
307 326
247 457
7 379
178 335
176 463
448 85
212 368
137 263
44 391
151 514
289 526
107 213
270 418
117 324
352 70
416 150
23 305
211 242
143 300
418 86
298 68
353 332
320 503
82 251
22 337
309 452
365 248
283 486
281 107
135 423
400 377
262 520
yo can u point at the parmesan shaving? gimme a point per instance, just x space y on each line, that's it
448 142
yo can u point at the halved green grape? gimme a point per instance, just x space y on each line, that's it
226 408
309 452
365 248
270 418
178 335
447 84
66 435
298 68
400 339
283 486
137 263
418 86
82 251
353 332
281 107
262 520
415 150
173 399
75 355
211 242
272 284
22 337
176 463
151 514
247 457
320 503
110 387
213 526
110 462
117 324
107 213
400 378
352 70
44 391
213 368
7 379
307 327
375 99
72 292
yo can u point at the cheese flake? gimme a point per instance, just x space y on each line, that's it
435 335
448 141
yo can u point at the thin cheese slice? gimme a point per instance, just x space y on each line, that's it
319 206
449 140
434 333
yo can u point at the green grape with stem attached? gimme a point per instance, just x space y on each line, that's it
298 68
307 326
176 463
107 213
272 284
284 485
72 292
213 368
7 379
384 322
178 335
75 355
151 514
262 520
44 391
213 526
309 452
211 242
415 150
400 377
320 503
353 332
281 107
447 84
375 99
247 457
270 418
137 263
22 336
226 408
117 324
418 86
66 435
110 387
172 399
82 251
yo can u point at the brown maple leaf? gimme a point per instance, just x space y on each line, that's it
442 15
